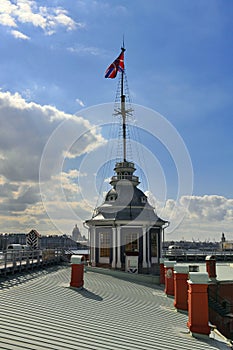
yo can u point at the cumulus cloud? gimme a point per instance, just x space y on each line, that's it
7 20
207 207
14 14
25 129
196 216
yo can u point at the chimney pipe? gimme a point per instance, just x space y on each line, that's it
211 267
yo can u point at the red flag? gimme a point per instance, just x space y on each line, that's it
116 66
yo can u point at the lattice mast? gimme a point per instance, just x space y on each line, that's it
122 110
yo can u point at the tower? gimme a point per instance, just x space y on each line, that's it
125 232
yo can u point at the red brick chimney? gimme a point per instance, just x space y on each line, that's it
181 287
77 270
211 266
198 310
169 277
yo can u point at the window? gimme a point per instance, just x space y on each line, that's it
104 244
131 240
153 244
143 199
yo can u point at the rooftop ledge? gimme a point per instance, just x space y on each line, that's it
137 278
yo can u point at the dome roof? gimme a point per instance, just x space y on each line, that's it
126 202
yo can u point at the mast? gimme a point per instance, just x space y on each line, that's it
119 65
123 111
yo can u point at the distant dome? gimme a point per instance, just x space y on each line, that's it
76 235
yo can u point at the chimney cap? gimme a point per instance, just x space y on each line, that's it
198 278
169 263
181 268
210 257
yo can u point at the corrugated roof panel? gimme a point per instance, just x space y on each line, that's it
42 312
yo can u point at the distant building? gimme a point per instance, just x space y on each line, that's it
76 235
44 242
57 241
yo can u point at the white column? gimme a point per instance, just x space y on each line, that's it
144 262
118 247
93 258
114 247
148 248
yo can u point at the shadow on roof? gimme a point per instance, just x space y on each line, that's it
9 281
87 294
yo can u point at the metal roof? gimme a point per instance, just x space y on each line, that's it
39 311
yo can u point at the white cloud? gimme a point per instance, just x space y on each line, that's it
210 207
25 128
49 19
7 20
202 217
61 18
86 50
19 35
198 217
80 102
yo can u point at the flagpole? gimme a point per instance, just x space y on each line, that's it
123 111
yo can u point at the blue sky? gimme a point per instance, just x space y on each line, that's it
178 62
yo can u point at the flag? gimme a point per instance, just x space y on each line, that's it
116 66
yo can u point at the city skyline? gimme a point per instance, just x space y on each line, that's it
56 111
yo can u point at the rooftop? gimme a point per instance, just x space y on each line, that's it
40 311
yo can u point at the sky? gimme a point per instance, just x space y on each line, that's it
58 138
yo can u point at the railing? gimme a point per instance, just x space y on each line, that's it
12 261
196 254
124 177
124 165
